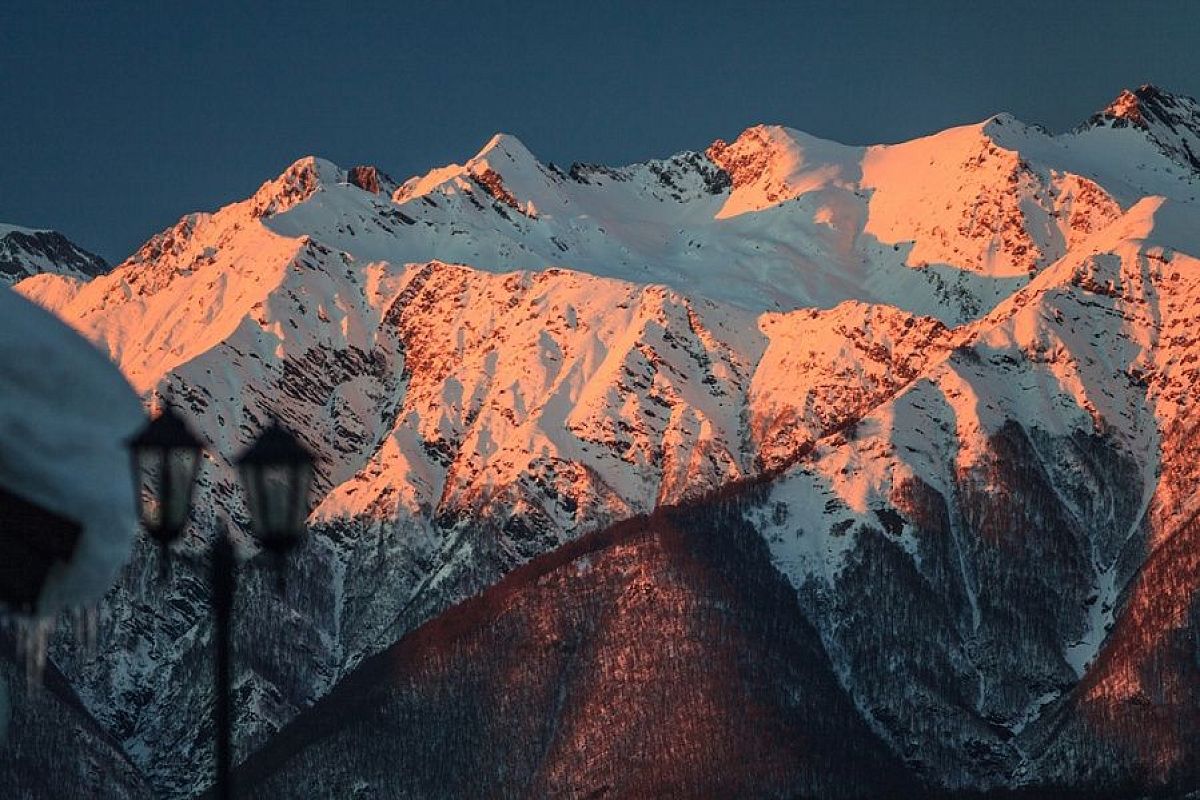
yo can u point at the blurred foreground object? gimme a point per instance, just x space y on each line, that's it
66 507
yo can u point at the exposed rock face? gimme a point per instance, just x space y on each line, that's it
365 178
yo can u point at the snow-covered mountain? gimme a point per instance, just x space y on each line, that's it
954 372
25 252
1171 122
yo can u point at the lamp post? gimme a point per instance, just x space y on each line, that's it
276 472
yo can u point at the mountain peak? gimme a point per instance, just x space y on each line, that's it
294 185
27 251
770 164
1126 107
503 158
1171 121
316 166
1147 104
504 146
507 170
371 179
751 155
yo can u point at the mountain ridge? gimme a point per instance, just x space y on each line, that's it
27 252
959 359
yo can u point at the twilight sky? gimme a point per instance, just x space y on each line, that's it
118 120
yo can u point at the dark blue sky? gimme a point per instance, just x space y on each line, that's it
118 120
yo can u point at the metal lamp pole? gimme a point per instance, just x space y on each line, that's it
223 583
276 473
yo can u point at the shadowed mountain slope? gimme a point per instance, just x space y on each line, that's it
53 747
662 657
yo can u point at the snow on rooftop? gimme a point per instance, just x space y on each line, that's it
65 414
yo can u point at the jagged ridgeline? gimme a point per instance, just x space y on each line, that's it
941 389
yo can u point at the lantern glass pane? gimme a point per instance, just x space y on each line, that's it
301 480
182 466
149 463
253 495
278 492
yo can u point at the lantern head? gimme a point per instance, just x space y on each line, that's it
277 473
166 460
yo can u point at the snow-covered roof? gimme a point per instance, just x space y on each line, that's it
65 414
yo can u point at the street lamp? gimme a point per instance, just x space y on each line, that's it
166 454
276 473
